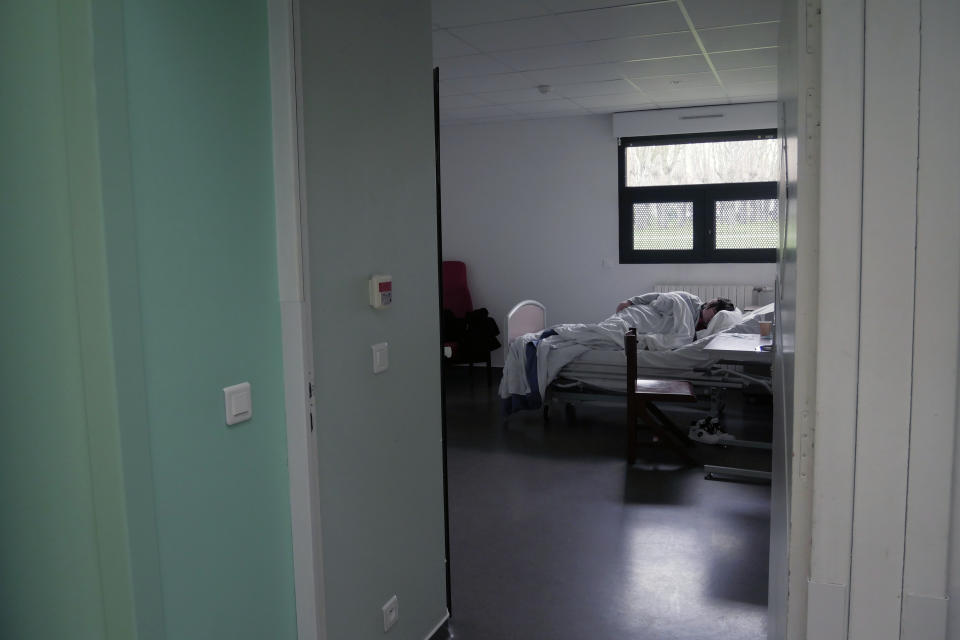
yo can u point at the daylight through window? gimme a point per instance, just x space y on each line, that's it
700 198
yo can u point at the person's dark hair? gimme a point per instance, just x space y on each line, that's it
720 304
717 304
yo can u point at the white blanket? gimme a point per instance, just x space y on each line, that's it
663 321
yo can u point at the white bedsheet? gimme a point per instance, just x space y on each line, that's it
672 320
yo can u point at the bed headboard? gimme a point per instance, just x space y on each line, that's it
742 295
528 316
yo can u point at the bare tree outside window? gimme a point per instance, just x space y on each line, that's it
703 163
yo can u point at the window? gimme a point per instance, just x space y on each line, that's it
700 198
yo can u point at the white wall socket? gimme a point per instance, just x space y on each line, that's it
391 612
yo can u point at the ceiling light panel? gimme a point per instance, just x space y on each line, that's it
749 36
632 20
722 13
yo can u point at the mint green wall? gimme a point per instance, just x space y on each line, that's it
372 209
63 538
138 251
201 151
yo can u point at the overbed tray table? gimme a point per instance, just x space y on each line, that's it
741 348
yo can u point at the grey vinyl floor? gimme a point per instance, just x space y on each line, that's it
553 537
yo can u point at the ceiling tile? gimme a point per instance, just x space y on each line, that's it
742 59
749 76
492 111
678 94
548 106
446 89
458 13
582 89
672 83
480 120
570 75
448 46
584 53
766 89
477 65
693 102
623 108
462 101
634 99
664 66
632 20
494 82
720 13
745 37
517 95
516 34
582 5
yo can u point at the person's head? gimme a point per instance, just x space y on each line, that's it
710 309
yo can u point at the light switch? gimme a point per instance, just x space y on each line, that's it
238 403
381 357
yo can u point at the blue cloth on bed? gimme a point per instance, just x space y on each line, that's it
517 402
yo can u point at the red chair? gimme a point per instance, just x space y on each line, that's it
469 335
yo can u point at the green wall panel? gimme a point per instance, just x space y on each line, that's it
201 149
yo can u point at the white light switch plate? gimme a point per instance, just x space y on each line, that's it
238 403
381 357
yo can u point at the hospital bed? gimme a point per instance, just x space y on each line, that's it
599 376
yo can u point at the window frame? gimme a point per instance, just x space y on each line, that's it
703 197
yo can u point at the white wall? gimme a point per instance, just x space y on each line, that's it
887 357
531 208
371 207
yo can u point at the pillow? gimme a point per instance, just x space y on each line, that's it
721 321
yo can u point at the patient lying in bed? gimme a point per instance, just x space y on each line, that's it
707 310
664 321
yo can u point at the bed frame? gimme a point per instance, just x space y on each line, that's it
530 316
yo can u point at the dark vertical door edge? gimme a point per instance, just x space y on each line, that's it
443 386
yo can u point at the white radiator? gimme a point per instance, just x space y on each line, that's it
742 295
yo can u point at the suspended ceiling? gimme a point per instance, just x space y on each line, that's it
517 59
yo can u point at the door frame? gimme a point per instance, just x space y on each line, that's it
297 338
